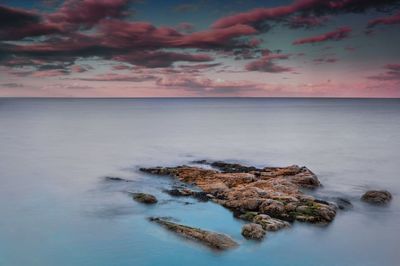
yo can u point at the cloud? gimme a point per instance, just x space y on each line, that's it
202 85
309 7
111 77
302 21
12 85
121 67
78 69
267 64
392 73
155 59
336 35
16 24
86 13
49 73
395 19
185 27
325 60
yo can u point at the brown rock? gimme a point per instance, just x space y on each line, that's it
144 198
211 239
253 231
270 224
275 191
378 197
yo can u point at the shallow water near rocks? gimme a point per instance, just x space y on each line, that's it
57 208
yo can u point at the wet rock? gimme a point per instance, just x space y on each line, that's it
211 239
113 178
274 191
253 231
272 207
144 198
185 192
248 216
343 204
377 197
233 167
270 224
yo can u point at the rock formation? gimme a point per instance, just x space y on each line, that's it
211 239
275 193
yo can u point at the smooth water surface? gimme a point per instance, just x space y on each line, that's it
57 209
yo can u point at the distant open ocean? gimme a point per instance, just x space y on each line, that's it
57 209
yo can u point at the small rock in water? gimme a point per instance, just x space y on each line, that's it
144 198
378 197
211 239
253 231
113 178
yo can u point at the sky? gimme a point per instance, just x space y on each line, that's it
235 48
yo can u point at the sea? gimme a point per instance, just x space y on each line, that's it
57 208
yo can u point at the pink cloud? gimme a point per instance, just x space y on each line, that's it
395 19
258 15
121 67
392 73
306 21
266 64
111 77
78 69
202 85
185 27
336 35
87 12
48 73
325 60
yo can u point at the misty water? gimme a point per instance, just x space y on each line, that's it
57 209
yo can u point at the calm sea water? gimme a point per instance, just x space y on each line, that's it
56 208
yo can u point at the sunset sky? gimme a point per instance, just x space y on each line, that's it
149 48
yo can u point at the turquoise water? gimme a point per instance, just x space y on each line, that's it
57 209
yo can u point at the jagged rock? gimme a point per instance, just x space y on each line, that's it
270 224
211 239
144 198
253 231
275 191
378 197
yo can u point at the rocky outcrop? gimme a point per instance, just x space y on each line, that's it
378 197
211 239
144 198
253 231
273 191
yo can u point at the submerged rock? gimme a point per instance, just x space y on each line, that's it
378 197
253 231
114 178
144 198
274 191
211 239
